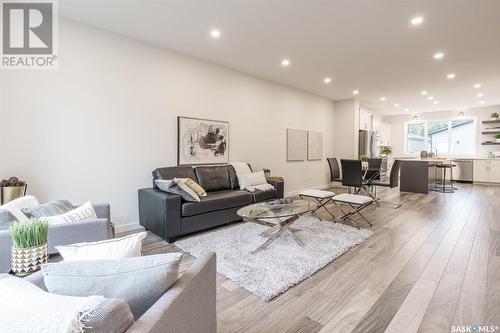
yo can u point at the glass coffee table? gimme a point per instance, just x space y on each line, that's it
279 219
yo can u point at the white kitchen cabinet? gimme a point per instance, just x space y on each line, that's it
385 134
365 120
376 124
487 171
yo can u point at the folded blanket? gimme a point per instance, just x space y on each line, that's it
26 308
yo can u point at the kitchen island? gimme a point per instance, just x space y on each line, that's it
419 175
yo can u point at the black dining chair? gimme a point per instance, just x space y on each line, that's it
334 169
352 175
374 166
393 182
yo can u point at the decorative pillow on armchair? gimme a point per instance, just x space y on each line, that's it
82 213
116 248
15 207
140 281
56 207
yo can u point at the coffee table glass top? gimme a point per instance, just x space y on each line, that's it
262 210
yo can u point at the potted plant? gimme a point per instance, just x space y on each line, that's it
11 188
364 162
386 150
497 137
494 116
29 246
267 172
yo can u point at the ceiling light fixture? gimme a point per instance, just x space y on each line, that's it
423 93
382 98
407 109
438 55
451 76
435 102
215 33
477 85
430 98
481 102
479 95
396 105
285 62
327 80
417 20
355 92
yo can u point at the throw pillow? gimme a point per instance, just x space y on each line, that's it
82 213
193 185
26 308
117 248
247 180
142 280
15 206
179 188
56 207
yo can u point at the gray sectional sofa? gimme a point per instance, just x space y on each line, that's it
86 231
169 217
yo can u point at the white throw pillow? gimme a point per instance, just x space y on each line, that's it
117 248
177 186
15 206
82 213
248 180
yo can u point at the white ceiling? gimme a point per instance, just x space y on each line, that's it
364 44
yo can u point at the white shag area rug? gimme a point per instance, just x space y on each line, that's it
283 263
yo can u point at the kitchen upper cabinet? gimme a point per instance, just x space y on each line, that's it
376 122
365 120
385 134
487 171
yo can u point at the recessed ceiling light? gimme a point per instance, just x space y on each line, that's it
285 62
382 98
417 20
355 92
423 93
451 76
215 33
327 80
438 55
436 102
396 105
481 102
407 109
479 95
430 98
477 85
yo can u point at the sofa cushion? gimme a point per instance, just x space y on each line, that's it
213 178
259 196
218 200
173 172
55 207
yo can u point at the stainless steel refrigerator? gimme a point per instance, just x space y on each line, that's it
368 144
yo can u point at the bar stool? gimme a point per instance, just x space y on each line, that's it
442 185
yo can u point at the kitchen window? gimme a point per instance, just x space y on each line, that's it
446 137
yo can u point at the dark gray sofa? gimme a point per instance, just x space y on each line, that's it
167 216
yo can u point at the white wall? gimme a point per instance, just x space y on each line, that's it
397 127
1 126
95 128
347 128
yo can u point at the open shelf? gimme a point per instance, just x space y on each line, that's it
490 143
491 121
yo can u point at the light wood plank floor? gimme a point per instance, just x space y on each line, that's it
431 264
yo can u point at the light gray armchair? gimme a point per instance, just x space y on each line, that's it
64 234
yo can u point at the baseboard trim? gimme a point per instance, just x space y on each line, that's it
128 227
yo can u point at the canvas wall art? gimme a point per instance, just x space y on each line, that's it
202 141
296 145
314 145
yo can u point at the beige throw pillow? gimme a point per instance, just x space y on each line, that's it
192 185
